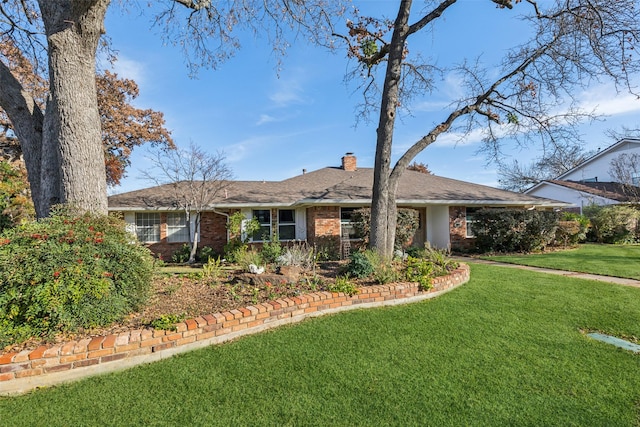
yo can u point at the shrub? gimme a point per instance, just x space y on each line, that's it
440 260
327 248
271 250
342 284
68 272
206 253
419 270
572 229
384 271
241 230
514 230
244 258
613 224
298 255
212 270
181 255
406 226
359 265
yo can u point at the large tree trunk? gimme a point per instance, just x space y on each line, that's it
27 119
383 205
72 167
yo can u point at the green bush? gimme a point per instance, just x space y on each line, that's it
181 255
572 229
342 284
206 253
419 270
406 226
359 266
613 224
68 272
271 250
514 230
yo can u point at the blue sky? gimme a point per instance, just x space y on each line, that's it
271 125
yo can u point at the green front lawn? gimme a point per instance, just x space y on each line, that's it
607 260
504 349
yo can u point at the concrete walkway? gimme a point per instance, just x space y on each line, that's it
609 279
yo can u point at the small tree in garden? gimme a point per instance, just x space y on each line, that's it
241 229
194 178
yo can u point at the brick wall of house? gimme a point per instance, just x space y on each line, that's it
213 233
458 229
323 227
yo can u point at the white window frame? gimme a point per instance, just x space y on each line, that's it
147 225
287 224
177 230
257 236
469 222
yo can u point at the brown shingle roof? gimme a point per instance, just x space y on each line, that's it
333 185
609 190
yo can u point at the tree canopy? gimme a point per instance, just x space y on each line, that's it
530 96
62 141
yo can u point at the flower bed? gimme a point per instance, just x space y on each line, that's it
51 364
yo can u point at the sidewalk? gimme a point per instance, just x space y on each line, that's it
609 279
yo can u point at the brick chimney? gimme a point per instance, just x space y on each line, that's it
349 162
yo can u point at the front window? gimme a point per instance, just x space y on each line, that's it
635 179
286 224
177 230
470 220
264 218
148 227
347 223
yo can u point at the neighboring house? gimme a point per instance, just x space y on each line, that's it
591 182
316 207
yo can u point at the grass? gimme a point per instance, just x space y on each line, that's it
607 260
505 349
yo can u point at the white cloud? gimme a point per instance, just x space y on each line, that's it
265 118
130 69
287 92
604 99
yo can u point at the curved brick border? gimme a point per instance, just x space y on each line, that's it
49 365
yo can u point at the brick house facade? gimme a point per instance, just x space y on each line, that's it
315 207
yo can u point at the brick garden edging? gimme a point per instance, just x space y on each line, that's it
54 364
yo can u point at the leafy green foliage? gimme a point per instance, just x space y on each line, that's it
342 284
241 230
327 248
572 229
419 270
212 270
271 249
384 271
514 230
359 266
15 200
167 322
407 224
68 272
181 255
613 224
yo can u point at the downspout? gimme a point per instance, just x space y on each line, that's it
225 215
